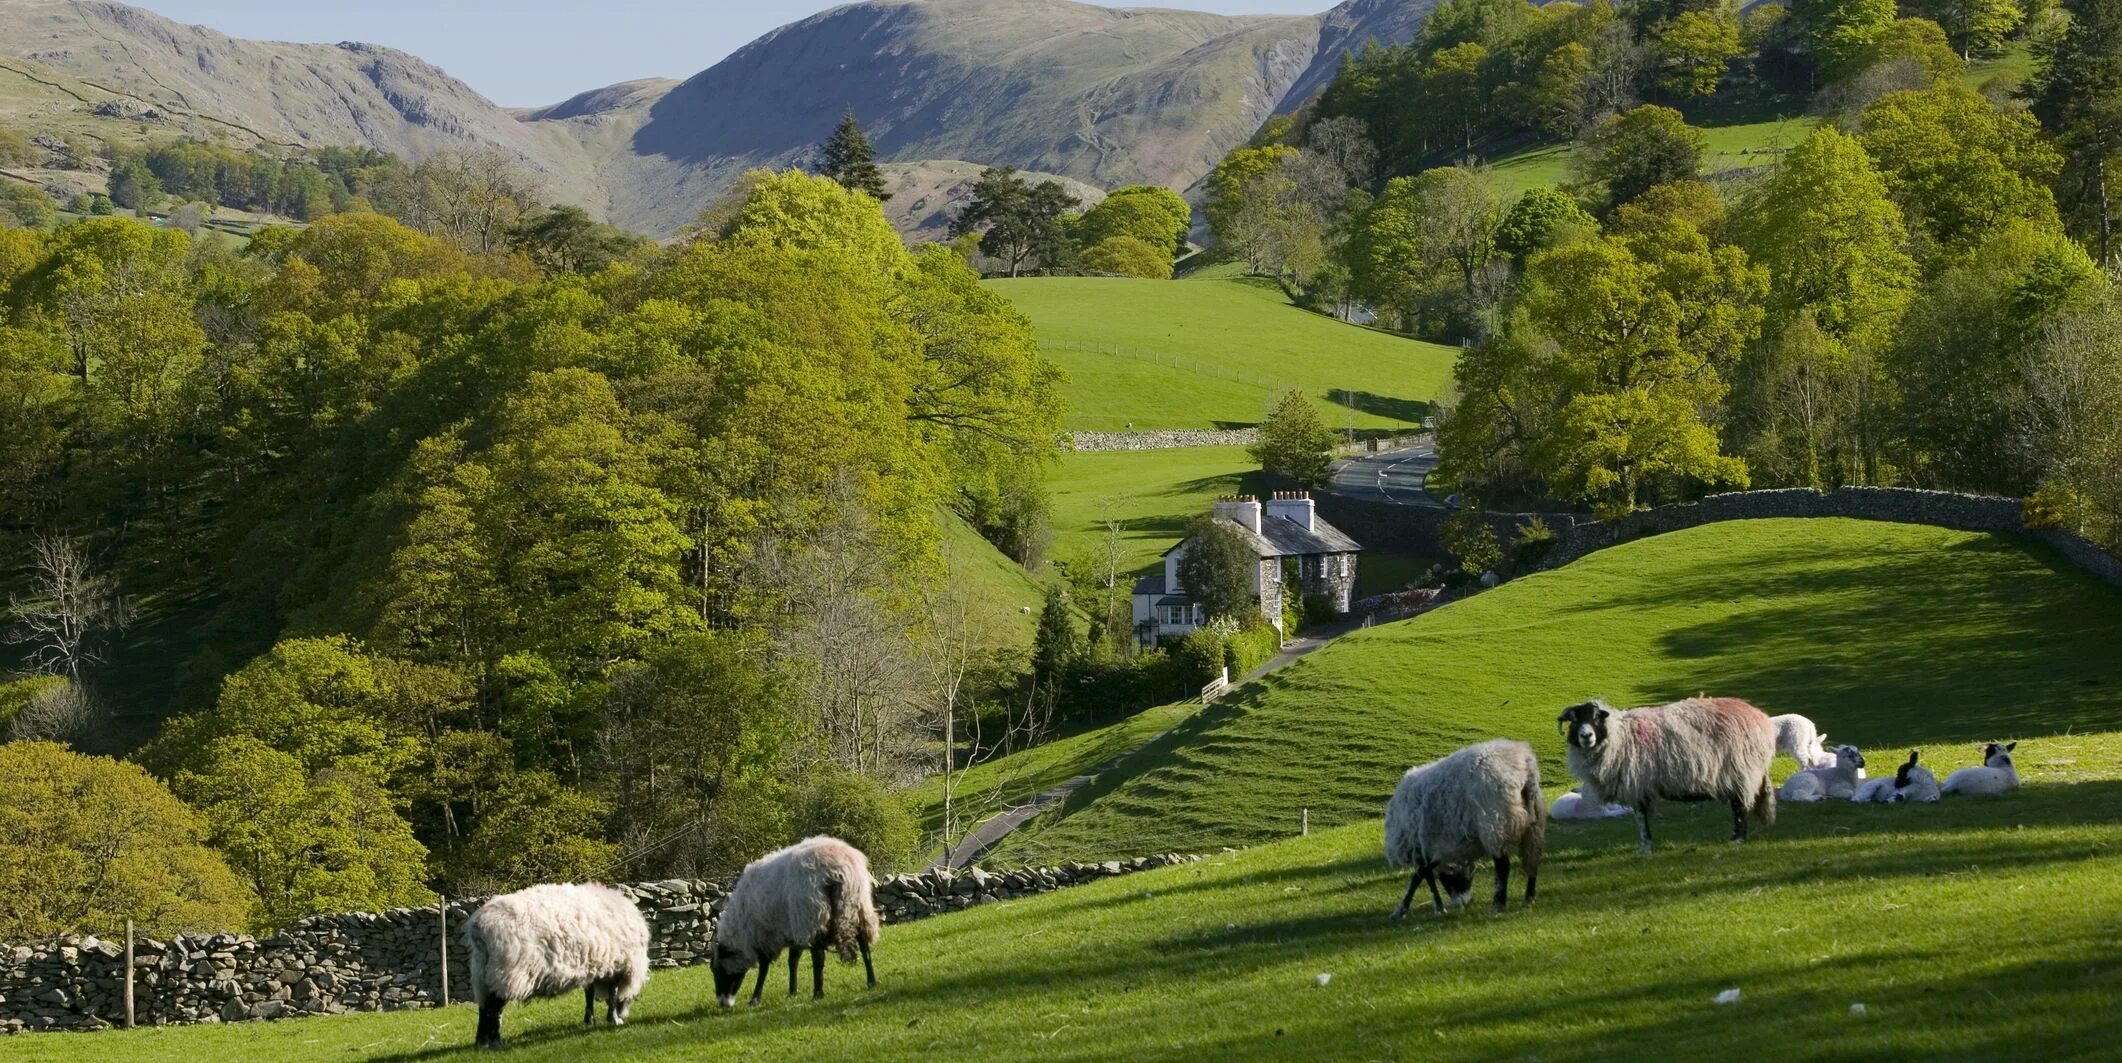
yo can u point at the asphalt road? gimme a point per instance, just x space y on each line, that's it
1392 476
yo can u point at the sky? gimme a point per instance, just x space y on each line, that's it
529 53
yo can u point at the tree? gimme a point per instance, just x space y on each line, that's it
133 186
1232 185
1541 218
2072 424
860 811
2077 95
1694 48
1294 441
1217 568
1913 43
1559 89
70 609
1838 32
564 239
1958 165
1428 236
1017 221
1057 644
848 159
1975 25
1612 444
26 207
1129 256
1633 152
1153 214
87 843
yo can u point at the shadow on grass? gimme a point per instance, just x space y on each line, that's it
1412 411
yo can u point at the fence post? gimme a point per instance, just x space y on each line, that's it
444 909
128 974
1304 822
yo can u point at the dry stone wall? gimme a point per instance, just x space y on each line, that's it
386 961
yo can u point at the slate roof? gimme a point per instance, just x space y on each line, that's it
1283 537
1150 584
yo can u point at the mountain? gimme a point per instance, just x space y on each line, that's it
1103 96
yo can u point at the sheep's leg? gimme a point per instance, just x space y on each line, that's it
866 968
489 1023
1436 898
1643 826
817 972
1738 820
1502 881
766 963
589 1004
1532 877
1413 881
795 961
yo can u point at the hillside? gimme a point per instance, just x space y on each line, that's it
1889 636
1215 351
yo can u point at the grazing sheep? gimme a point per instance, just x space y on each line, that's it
1481 802
1698 749
1914 782
1996 775
1577 805
811 895
1820 784
1797 738
553 939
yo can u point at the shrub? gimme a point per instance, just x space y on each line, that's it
860 811
1251 647
2049 506
1201 652
1468 538
1129 256
1533 542
1294 441
1319 608
1111 689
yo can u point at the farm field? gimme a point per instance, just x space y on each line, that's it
1890 636
1214 351
1152 493
1731 147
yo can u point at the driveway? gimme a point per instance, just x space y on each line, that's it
1396 477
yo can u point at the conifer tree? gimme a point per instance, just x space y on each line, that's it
850 160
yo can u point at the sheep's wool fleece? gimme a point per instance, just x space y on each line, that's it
781 899
1716 748
1474 804
551 939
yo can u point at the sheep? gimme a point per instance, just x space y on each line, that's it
1913 782
552 939
1698 749
1996 775
813 894
1480 802
1820 784
1797 737
1577 805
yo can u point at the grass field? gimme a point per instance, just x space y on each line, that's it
1889 636
984 577
1731 147
1215 351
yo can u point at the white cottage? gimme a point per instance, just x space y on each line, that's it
1286 532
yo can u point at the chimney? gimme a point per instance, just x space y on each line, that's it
1293 506
1244 509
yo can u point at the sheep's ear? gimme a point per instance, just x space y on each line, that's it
1912 754
1562 723
2009 746
1601 710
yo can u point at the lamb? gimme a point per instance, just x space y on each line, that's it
1577 805
1697 749
553 939
1914 782
813 894
1801 741
1996 775
1480 802
1819 784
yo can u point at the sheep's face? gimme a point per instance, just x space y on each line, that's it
1998 754
730 967
1458 883
1584 726
1848 757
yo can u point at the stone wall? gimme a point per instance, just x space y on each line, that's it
385 961
1169 439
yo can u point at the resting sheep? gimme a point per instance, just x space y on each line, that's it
813 894
1996 775
1481 802
548 940
1797 738
1911 782
1577 805
1820 784
1698 749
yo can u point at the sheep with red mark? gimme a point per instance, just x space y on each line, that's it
1697 749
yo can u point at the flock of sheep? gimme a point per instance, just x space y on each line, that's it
548 940
1484 801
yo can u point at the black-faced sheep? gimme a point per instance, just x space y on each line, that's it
1996 775
1914 782
548 940
811 895
1482 802
1699 749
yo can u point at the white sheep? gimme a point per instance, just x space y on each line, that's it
1914 782
1996 775
1482 802
811 895
1697 749
1797 738
553 939
1820 784
1578 805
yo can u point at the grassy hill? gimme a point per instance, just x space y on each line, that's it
1214 351
1889 636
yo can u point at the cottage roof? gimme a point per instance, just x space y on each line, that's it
1283 537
